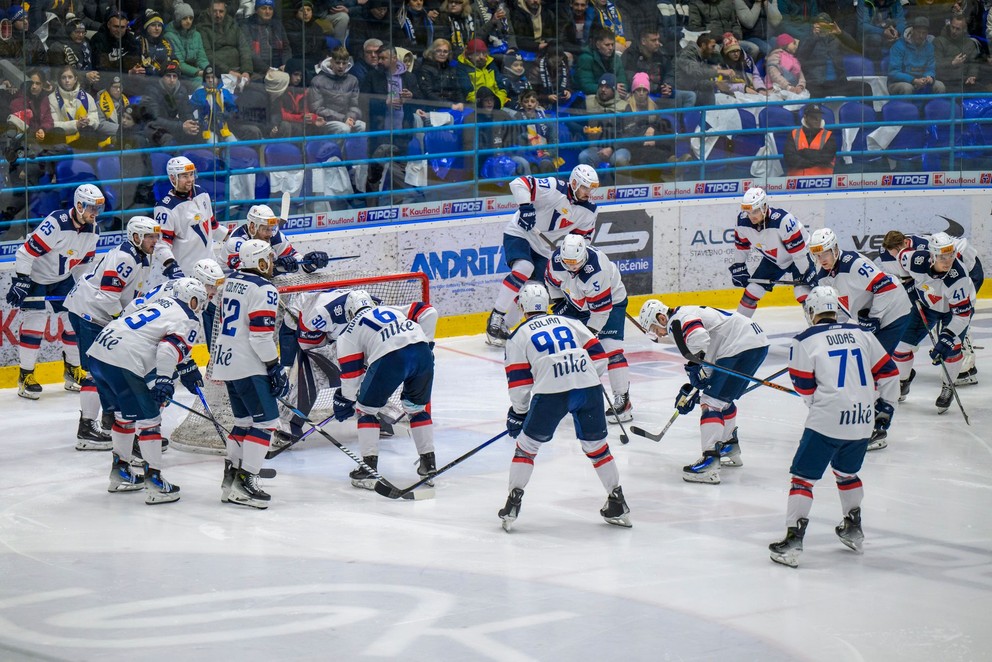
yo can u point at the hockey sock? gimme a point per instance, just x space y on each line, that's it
32 331
254 448
749 300
729 421
520 272
69 344
422 431
522 465
235 442
800 501
599 454
617 368
89 399
122 437
150 444
903 357
368 434
851 491
711 428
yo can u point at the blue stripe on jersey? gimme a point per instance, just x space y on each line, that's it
519 374
804 382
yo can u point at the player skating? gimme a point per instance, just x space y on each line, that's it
726 339
45 267
553 368
245 358
780 239
837 369
548 207
868 296
379 350
133 361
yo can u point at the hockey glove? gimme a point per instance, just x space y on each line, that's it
278 380
163 390
869 324
514 422
883 414
287 264
343 407
314 260
559 306
528 216
189 375
944 347
739 275
19 288
810 277
172 270
697 375
684 402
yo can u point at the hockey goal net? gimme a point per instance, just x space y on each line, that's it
198 435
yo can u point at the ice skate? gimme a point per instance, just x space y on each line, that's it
281 439
89 436
704 470
246 492
122 479
511 510
426 467
787 550
107 421
386 430
623 409
158 489
944 399
730 452
904 385
361 477
878 440
73 375
27 386
496 331
615 510
849 530
225 486
967 378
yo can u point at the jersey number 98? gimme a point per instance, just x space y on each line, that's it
563 339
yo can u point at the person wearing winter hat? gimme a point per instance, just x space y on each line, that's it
156 50
23 46
810 150
606 101
783 71
480 68
912 62
635 123
187 45
515 74
745 77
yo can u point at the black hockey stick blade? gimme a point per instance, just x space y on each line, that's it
641 432
266 472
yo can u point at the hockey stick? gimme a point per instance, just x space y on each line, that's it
44 298
284 208
770 377
275 453
624 439
408 494
943 366
768 281
657 437
689 356
392 492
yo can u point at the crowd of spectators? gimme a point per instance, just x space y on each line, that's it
127 74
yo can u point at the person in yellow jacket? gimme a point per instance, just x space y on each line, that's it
476 69
811 149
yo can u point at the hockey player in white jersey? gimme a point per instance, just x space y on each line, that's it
133 361
189 228
97 298
209 272
548 207
837 369
780 239
380 349
263 224
553 368
942 285
727 339
44 271
584 285
245 358
868 296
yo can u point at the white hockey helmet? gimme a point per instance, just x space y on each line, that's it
821 241
648 317
754 198
533 298
252 252
261 216
357 301
573 252
141 226
822 299
942 244
583 175
177 165
88 198
208 272
187 289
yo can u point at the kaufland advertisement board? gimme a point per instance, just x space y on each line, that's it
682 242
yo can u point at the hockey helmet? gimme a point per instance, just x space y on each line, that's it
823 299
823 242
262 216
648 317
942 243
583 175
208 272
88 199
357 301
140 227
253 252
187 289
533 298
178 165
573 252
754 199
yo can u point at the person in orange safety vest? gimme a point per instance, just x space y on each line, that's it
811 149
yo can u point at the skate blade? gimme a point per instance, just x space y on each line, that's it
731 462
791 560
623 520
72 386
508 523
250 503
706 479
364 483
29 396
152 500
878 445
854 545
495 342
125 487
82 445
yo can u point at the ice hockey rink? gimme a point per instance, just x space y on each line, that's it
330 572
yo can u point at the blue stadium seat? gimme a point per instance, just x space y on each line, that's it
897 113
157 163
855 112
108 169
855 65
246 158
780 122
939 134
282 155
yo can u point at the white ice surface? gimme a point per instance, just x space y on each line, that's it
330 572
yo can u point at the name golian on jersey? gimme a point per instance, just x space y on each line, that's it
246 341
